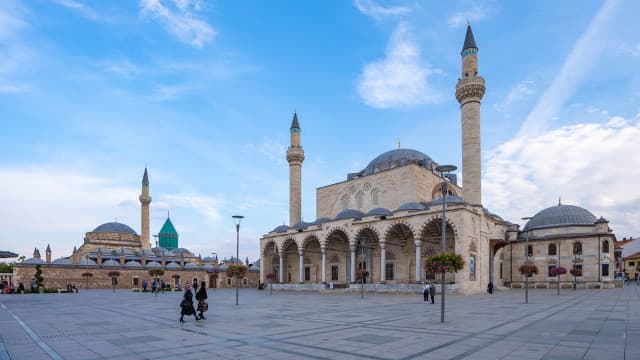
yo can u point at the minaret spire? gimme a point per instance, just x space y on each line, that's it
469 91
145 200
295 157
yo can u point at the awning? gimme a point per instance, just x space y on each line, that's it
7 254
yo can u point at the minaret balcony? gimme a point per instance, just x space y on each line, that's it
470 87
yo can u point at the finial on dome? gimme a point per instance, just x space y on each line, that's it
559 200
398 143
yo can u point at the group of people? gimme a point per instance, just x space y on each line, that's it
429 290
156 286
186 306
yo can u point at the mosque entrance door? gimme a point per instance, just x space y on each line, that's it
213 280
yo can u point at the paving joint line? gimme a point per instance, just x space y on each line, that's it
46 348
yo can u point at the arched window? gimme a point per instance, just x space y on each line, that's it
552 249
529 250
374 196
345 201
360 199
605 246
577 248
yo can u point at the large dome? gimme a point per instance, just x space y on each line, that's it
114 227
561 215
395 158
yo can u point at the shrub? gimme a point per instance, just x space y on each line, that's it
38 277
528 269
236 270
156 272
444 263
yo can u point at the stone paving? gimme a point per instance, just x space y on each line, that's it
583 324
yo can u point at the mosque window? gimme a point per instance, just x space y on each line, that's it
360 199
577 248
228 281
501 271
529 250
605 269
345 201
549 269
334 273
605 246
578 269
552 249
307 273
244 281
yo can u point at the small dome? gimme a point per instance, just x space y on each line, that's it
132 264
411 206
301 225
350 213
209 259
62 261
146 252
379 212
172 265
560 215
281 229
182 251
88 262
224 266
191 266
33 261
320 221
208 267
110 263
153 264
395 158
123 251
449 200
114 227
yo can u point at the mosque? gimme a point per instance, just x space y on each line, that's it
387 218
115 246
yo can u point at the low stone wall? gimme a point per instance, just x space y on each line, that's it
563 285
354 288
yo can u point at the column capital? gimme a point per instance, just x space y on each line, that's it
301 252
418 243
323 249
383 244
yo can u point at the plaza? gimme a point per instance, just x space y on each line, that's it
582 324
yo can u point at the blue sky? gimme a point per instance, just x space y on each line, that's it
203 93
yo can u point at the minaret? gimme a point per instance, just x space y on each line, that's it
48 254
145 200
36 253
295 157
469 92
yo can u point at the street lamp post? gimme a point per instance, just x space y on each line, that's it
443 242
362 241
526 251
215 275
237 219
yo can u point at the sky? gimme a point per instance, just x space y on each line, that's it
203 93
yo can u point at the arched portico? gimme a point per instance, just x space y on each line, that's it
290 262
271 260
430 239
399 239
337 257
312 260
368 254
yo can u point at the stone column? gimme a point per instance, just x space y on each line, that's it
383 262
323 250
301 270
281 269
418 261
353 265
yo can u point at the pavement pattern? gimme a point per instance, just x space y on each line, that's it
98 324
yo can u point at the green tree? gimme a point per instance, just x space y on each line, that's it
6 268
38 277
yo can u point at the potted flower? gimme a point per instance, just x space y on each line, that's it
557 271
87 275
575 273
528 269
444 263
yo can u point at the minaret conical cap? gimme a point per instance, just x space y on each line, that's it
469 40
145 178
294 123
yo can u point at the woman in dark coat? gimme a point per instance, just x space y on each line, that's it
201 296
187 304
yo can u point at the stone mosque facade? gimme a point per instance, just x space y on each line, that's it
387 219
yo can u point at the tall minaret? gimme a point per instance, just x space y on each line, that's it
469 92
48 254
145 200
295 157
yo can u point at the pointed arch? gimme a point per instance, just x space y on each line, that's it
399 230
268 247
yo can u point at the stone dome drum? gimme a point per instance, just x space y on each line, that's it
114 227
561 215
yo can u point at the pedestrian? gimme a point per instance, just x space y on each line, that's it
33 285
163 285
186 306
144 285
432 293
21 288
490 288
201 296
195 286
425 291
154 287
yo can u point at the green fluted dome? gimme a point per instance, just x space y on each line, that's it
168 236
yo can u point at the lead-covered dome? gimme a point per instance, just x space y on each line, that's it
561 215
395 158
114 227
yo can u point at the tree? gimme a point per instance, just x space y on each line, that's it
6 268
114 278
38 277
236 271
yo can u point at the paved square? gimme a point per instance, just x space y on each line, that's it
583 324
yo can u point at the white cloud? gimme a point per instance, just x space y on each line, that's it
400 79
122 66
520 91
169 92
14 88
180 19
477 13
377 11
574 69
596 166
208 206
81 8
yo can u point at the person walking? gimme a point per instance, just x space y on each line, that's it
33 285
195 286
432 293
154 287
425 291
144 285
490 288
186 306
163 285
201 296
